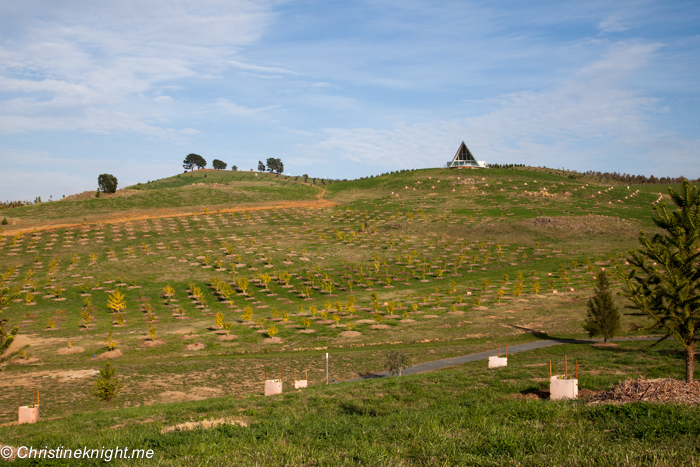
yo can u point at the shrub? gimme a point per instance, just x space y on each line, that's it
396 361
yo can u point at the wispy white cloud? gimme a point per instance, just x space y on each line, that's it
80 68
260 68
590 116
612 24
231 108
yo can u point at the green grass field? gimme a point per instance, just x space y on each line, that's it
466 415
434 263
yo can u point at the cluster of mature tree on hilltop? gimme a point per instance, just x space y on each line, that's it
273 165
195 160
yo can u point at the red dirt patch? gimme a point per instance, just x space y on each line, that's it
110 354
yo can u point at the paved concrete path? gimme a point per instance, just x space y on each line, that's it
447 362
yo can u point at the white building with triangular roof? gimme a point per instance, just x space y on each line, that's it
465 159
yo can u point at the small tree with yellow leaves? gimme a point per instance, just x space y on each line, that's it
116 302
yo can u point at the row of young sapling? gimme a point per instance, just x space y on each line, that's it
117 303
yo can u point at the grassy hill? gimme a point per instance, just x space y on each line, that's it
433 263
180 194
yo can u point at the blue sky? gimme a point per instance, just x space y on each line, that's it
342 89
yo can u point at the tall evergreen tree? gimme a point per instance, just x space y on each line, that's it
664 280
261 166
603 317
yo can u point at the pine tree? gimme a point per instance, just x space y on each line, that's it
664 278
107 385
603 317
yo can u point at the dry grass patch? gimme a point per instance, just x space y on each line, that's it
585 225
204 424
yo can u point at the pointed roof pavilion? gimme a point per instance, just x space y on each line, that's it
465 158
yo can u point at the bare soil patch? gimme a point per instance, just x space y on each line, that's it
228 337
273 340
196 394
154 343
110 354
34 341
70 351
585 225
24 361
204 424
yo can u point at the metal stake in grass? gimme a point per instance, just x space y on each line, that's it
566 368
577 369
550 369
506 350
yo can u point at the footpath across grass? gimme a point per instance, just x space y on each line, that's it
467 415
